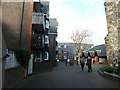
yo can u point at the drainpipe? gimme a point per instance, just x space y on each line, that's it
21 27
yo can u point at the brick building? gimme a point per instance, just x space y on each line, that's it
97 53
44 35
16 24
68 51
16 33
53 45
25 25
40 31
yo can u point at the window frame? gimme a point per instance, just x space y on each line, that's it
46 59
46 37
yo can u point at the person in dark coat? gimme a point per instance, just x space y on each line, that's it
89 64
82 63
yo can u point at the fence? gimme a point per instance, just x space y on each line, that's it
11 62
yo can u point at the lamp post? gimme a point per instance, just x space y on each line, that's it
67 57
62 55
77 57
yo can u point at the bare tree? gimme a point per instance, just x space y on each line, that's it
80 37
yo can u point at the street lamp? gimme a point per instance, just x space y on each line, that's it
67 57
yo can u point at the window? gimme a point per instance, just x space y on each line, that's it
46 56
38 60
59 46
59 52
65 46
59 57
46 40
47 24
65 57
65 51
33 32
81 47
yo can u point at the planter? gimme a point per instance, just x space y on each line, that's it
109 75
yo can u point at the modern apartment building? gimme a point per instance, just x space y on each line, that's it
40 39
44 33
38 32
38 35
112 39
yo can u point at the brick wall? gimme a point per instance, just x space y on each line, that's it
13 76
11 23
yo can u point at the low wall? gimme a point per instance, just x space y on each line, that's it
13 76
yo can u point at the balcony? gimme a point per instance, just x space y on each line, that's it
38 22
37 41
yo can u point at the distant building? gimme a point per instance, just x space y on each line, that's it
68 51
97 53
112 39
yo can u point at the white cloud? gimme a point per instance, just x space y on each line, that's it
98 6
96 25
65 16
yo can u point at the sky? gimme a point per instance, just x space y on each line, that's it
82 14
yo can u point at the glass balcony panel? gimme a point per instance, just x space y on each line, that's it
38 22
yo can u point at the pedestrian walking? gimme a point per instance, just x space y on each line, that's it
82 63
89 64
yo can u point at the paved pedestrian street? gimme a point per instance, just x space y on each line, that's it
69 77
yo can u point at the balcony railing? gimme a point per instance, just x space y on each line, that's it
37 41
38 22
